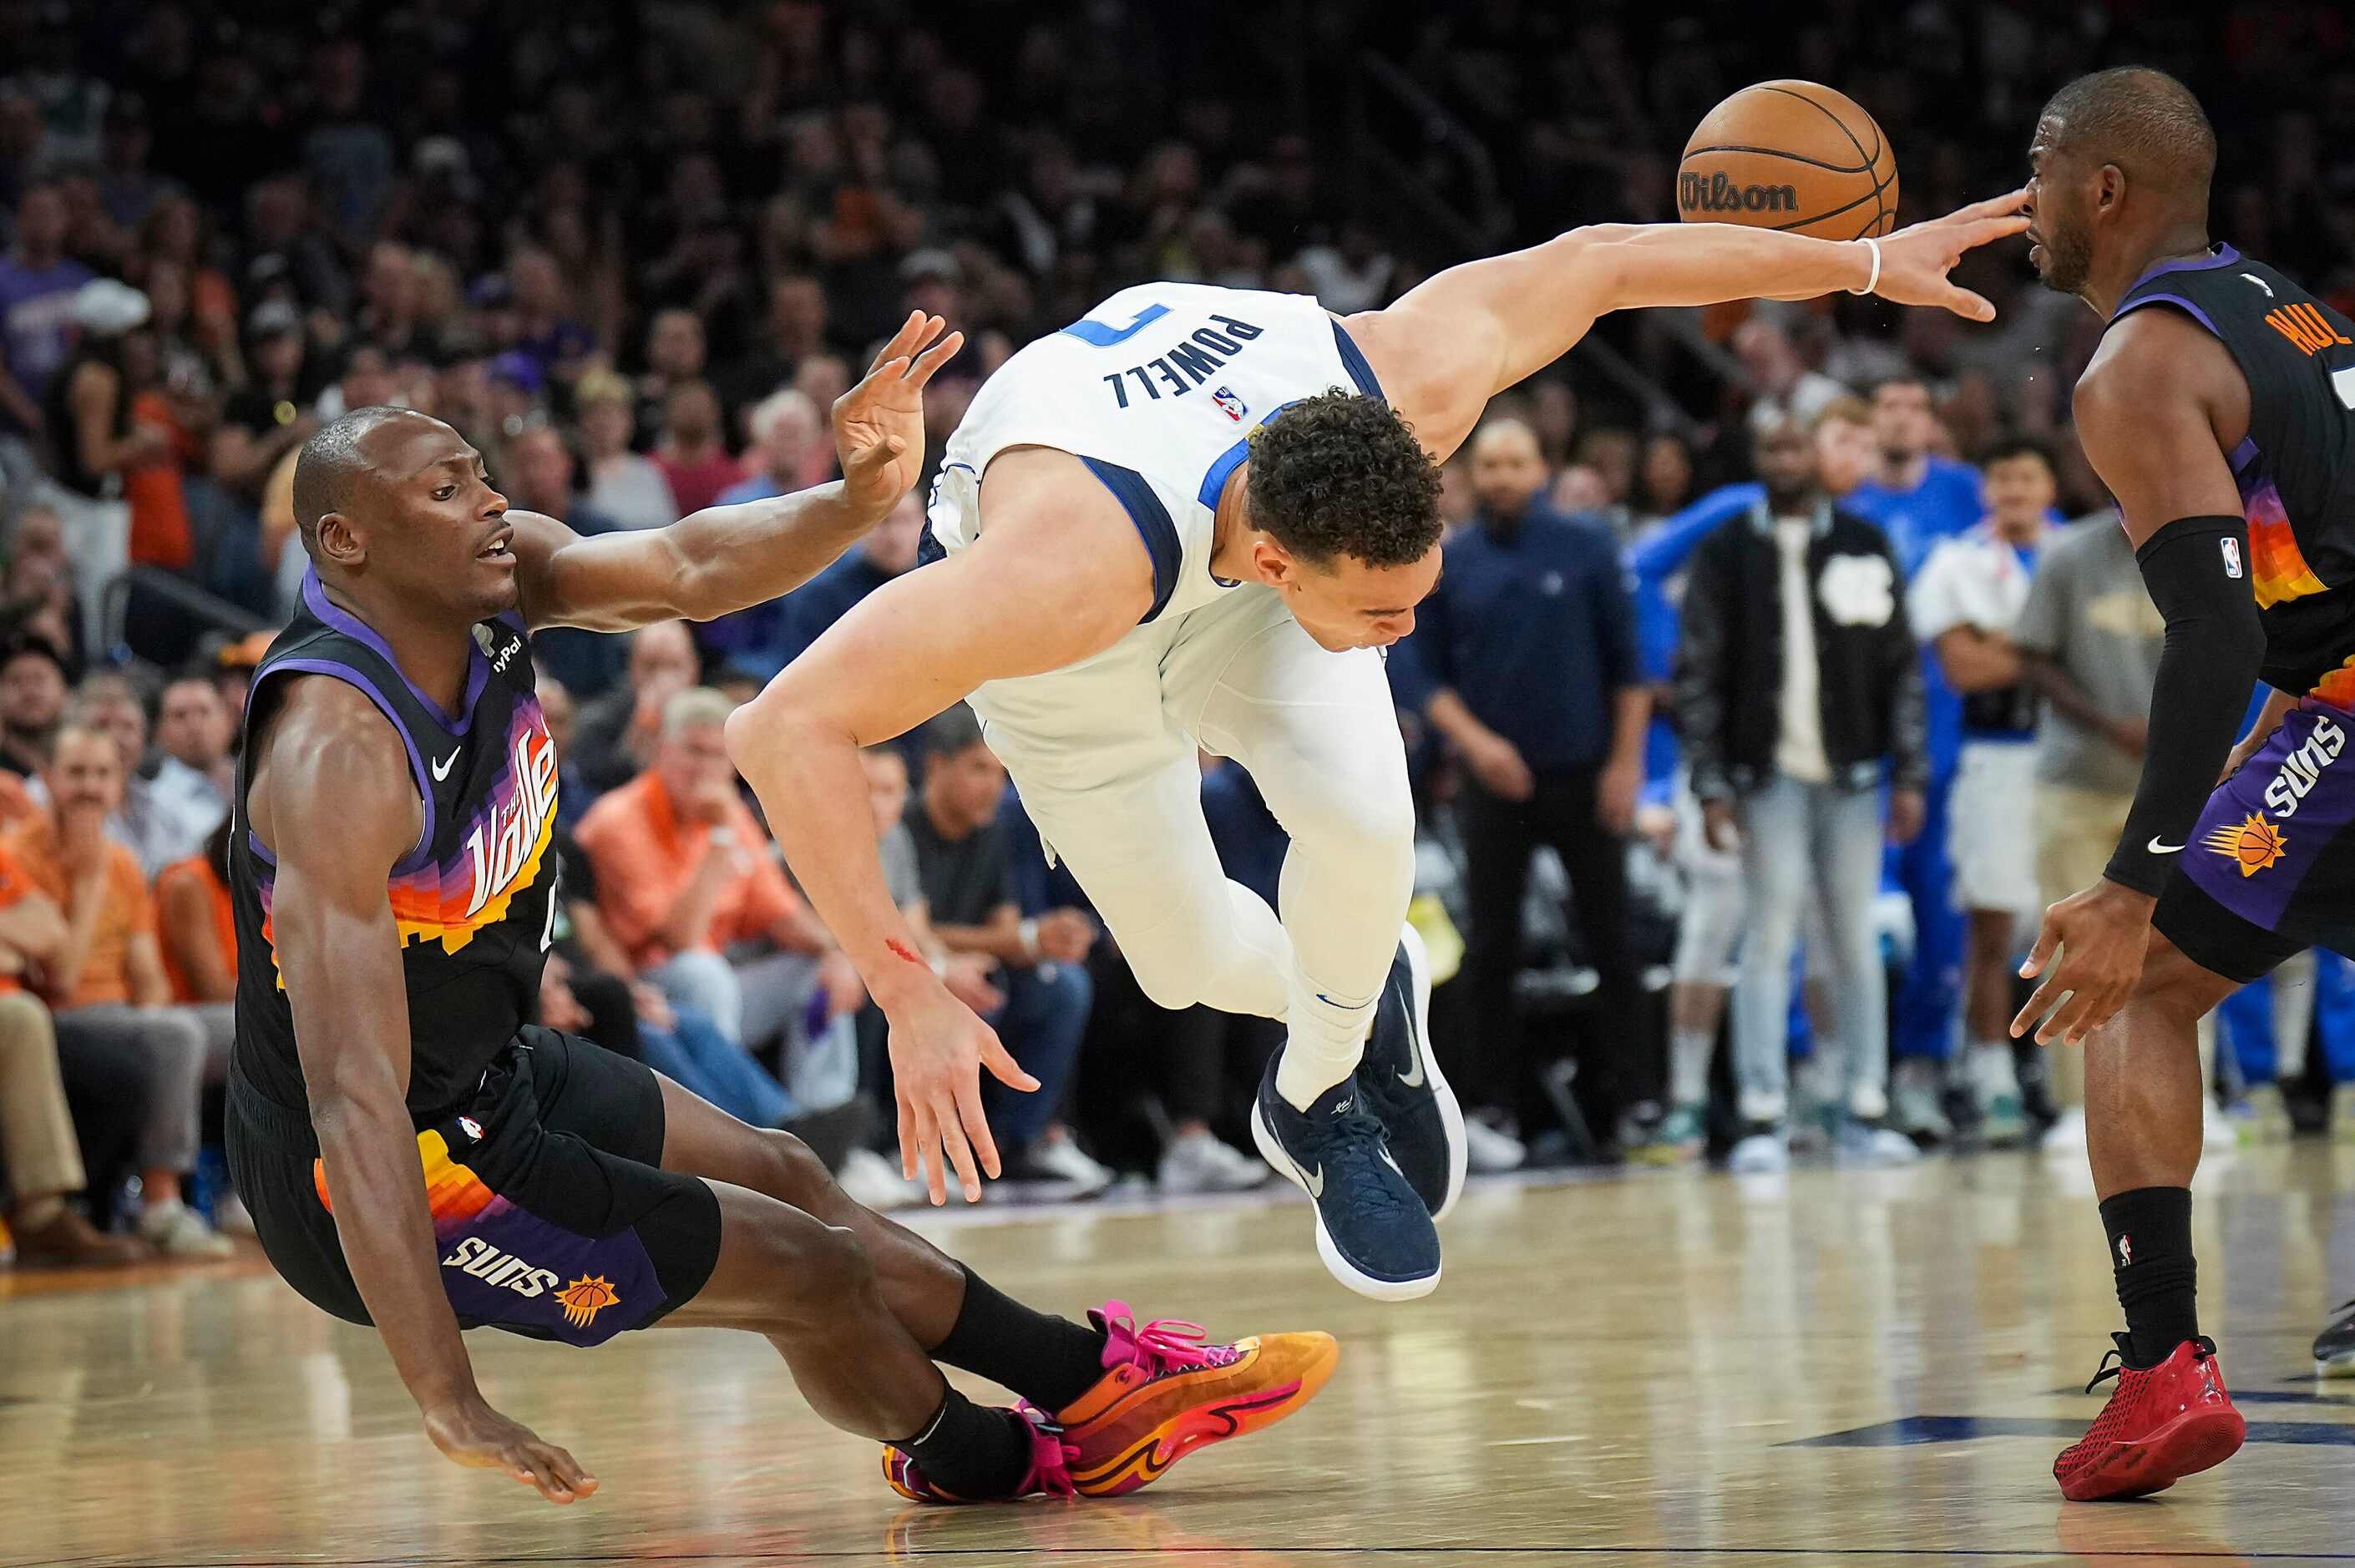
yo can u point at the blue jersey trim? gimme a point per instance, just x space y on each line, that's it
1153 525
1353 360
1220 470
1103 336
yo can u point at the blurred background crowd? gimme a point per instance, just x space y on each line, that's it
1786 659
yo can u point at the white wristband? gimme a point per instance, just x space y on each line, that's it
1874 281
1029 934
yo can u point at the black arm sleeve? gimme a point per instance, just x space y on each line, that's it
2196 570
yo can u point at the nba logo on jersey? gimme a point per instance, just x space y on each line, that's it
1231 405
2232 558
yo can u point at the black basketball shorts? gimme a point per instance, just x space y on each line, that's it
552 1216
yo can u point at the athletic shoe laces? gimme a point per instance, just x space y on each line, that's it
1051 1457
1353 1149
2113 1364
1164 1346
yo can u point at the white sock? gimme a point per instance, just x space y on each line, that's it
1323 1042
1690 1051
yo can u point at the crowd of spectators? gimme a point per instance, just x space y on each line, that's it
634 252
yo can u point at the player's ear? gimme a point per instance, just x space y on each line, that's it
1275 565
337 541
2109 188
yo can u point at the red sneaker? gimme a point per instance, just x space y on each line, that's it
1165 1392
1050 1466
2163 1424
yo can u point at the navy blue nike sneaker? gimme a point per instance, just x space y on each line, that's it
1400 1082
1373 1231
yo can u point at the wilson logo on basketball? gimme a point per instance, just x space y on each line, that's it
585 1297
1715 193
2254 844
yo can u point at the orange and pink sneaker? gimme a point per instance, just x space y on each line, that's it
1050 1471
2163 1424
1165 1392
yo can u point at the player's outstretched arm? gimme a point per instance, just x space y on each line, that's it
726 558
2156 411
333 800
1454 342
1057 575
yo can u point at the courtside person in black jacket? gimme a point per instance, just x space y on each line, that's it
1799 697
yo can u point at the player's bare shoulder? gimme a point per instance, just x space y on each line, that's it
2157 358
321 753
1045 506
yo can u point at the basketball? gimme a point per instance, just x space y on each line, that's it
1793 155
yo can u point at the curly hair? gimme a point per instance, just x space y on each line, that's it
1340 475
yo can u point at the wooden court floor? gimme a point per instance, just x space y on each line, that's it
1666 1367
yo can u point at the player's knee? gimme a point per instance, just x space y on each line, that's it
797 1175
2174 985
1169 973
825 1267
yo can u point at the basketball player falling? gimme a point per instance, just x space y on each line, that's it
1193 519
2217 411
395 900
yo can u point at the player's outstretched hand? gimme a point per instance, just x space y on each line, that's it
475 1435
1915 262
939 1047
878 425
2101 936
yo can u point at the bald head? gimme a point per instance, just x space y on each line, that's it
333 459
2143 120
397 510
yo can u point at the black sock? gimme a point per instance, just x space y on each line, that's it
972 1451
1046 1359
2150 1250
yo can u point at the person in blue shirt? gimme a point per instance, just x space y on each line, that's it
1529 645
1919 498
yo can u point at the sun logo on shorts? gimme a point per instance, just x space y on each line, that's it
2255 843
585 1297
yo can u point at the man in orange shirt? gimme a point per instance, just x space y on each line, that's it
43 1160
106 980
684 874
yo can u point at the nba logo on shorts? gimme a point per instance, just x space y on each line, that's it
1232 406
2232 559
474 1129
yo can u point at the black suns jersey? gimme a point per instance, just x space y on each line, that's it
2296 469
473 899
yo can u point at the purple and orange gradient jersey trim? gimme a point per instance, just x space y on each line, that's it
500 850
455 1195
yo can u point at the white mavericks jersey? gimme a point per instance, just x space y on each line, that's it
1156 390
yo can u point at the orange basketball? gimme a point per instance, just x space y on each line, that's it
1793 155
